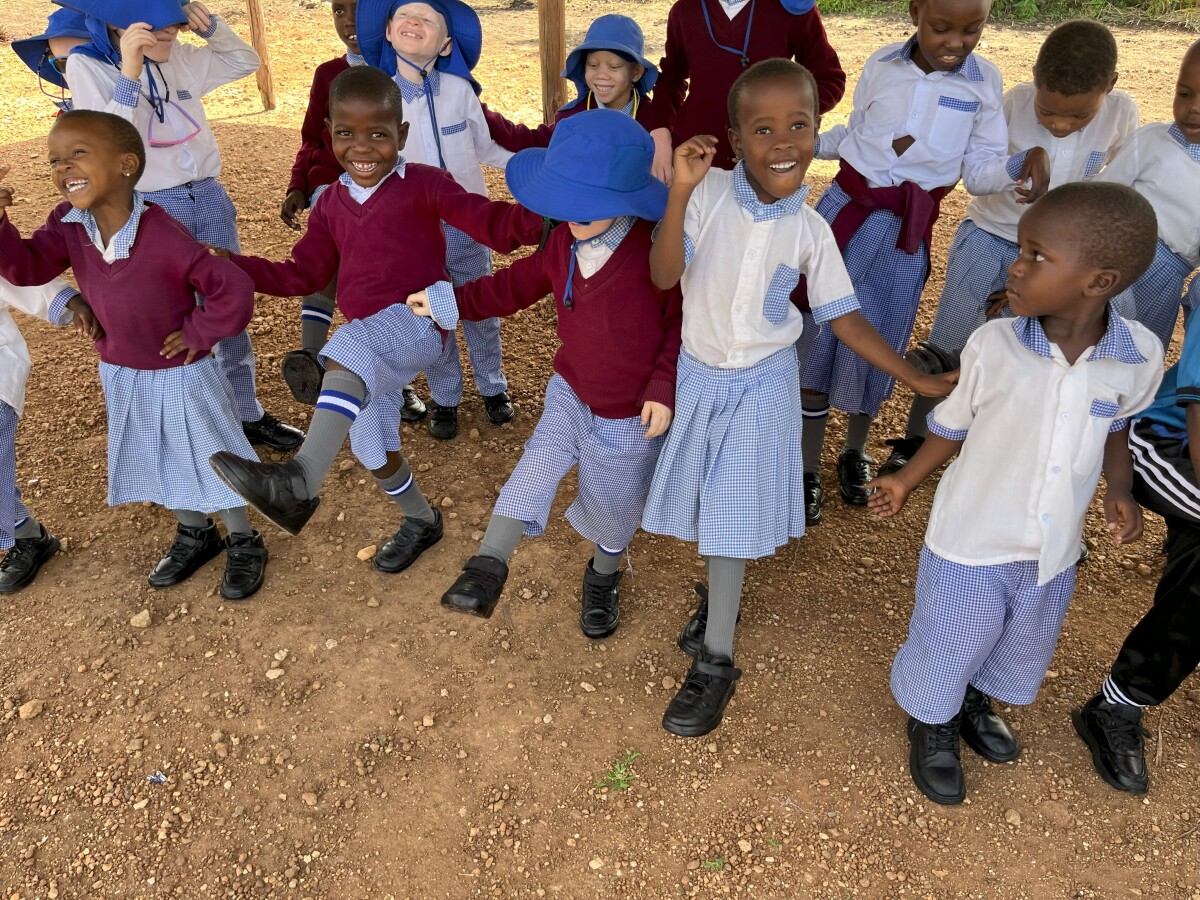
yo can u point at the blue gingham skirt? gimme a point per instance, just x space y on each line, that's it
203 207
730 476
989 626
888 284
1158 294
977 265
163 425
615 467
12 510
387 351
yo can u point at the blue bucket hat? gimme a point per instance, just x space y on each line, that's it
798 7
101 14
462 24
35 51
617 34
596 167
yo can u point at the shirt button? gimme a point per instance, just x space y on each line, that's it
1066 416
1056 470
1045 517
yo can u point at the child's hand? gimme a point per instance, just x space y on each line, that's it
174 345
661 167
292 204
199 18
1037 171
419 303
935 385
1124 517
85 321
137 39
888 495
997 300
6 193
657 416
693 159
216 251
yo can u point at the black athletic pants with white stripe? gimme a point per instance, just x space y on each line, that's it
1164 648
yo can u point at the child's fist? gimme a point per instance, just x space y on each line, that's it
84 319
199 18
292 204
693 159
6 200
1124 517
137 39
419 303
657 417
1036 170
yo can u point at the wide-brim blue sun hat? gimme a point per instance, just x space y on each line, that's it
100 14
35 51
617 34
462 24
596 167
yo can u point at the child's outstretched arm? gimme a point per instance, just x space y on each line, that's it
668 256
1121 511
225 57
890 492
314 262
497 224
853 330
509 290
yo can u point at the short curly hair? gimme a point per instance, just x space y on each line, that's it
1077 57
120 132
762 71
370 85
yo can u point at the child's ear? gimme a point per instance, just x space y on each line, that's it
402 135
735 141
1103 282
446 47
129 164
638 71
1112 84
914 7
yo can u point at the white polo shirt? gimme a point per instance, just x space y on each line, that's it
1034 430
14 352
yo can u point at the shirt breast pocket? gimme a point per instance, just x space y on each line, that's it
1095 162
456 128
952 124
779 294
1101 415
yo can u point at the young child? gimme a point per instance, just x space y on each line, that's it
1070 109
927 113
1164 648
430 50
1042 403
134 67
46 53
1162 162
711 42
738 242
168 406
379 228
605 411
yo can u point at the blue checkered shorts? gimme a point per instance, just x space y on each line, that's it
1157 295
12 510
387 351
615 467
992 627
730 476
163 425
888 284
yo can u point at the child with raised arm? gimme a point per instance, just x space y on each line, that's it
606 411
1041 407
168 406
738 243
380 228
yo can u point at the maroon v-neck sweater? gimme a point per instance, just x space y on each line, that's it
517 137
315 163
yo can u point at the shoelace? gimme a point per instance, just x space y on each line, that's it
943 738
18 553
976 702
489 581
1123 734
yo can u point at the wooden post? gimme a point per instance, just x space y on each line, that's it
258 40
552 39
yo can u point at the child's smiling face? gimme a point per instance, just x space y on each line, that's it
367 139
86 166
418 32
947 31
1187 95
610 77
775 135
345 20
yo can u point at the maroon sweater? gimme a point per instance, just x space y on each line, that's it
392 245
691 54
620 338
517 137
315 163
142 299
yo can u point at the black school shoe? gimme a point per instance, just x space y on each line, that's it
276 490
270 432
691 636
984 731
303 373
24 559
930 359
412 539
601 612
814 498
413 409
499 408
1114 734
934 762
700 704
193 547
477 590
245 565
443 421
854 471
903 450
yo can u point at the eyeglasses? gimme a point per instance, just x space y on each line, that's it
160 118
56 93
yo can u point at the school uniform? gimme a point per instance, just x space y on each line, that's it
165 417
990 601
729 477
1163 167
515 137
985 244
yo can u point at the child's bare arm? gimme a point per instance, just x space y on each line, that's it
693 159
1121 511
853 330
891 491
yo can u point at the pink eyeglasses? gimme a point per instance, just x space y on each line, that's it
161 121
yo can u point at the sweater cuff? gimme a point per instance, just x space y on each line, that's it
127 91
1015 164
59 314
211 29
443 305
660 392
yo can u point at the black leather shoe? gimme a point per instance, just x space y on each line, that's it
24 559
700 704
413 409
193 547
903 449
1114 734
477 590
276 490
245 565
691 636
854 471
984 731
303 373
443 421
412 539
601 611
1085 553
934 761
499 408
814 498
930 359
270 432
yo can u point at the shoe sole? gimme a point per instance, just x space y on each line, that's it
852 501
598 635
53 548
300 375
1085 735
700 730
940 799
409 564
413 418
242 489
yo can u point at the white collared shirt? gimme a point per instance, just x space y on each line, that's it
1163 167
14 352
360 194
733 7
743 259
955 118
1034 430
1077 157
592 254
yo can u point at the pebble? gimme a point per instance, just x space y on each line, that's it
372 602
141 620
668 682
745 846
587 686
367 552
427 721
31 710
596 863
345 465
447 502
309 797
1144 569
330 644
275 673
1012 817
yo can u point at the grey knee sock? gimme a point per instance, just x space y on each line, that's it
342 396
189 518
236 521
857 428
605 563
501 538
815 409
917 416
317 311
402 488
30 528
725 577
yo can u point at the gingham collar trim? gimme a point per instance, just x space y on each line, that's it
397 169
615 233
413 92
1193 150
354 59
969 67
764 212
1116 343
122 242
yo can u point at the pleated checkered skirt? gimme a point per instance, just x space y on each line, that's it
1158 294
12 510
730 476
977 265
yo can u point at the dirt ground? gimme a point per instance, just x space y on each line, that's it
406 752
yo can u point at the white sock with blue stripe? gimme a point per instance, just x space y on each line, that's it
316 316
1114 695
340 402
402 488
815 410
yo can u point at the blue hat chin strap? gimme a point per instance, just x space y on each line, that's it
427 93
568 297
